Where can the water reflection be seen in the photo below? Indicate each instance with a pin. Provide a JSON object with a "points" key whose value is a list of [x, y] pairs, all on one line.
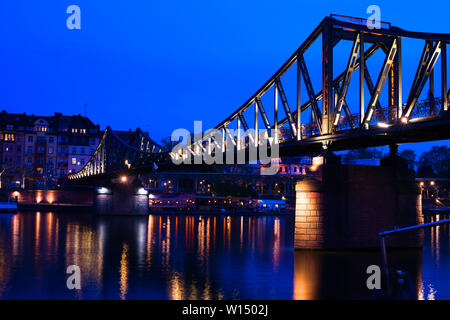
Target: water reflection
{"points": [[436, 261], [154, 257], [124, 272], [194, 257], [342, 275]]}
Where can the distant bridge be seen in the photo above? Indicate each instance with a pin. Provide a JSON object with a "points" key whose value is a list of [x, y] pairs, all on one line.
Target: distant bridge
{"points": [[116, 153], [325, 120]]}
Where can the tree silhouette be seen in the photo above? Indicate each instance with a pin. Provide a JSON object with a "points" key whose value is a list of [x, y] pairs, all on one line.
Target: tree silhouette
{"points": [[409, 155], [435, 162]]}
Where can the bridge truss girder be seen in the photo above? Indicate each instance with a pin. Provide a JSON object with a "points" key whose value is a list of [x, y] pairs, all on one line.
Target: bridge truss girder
{"points": [[328, 116]]}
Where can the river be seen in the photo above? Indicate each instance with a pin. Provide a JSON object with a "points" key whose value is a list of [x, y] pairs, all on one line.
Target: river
{"points": [[196, 257]]}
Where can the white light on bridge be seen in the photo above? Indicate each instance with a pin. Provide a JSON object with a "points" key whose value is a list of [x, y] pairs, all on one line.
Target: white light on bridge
{"points": [[383, 125], [142, 191], [317, 161], [103, 190], [404, 120]]}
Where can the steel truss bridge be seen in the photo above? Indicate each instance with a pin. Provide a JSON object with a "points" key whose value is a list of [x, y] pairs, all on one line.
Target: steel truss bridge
{"points": [[119, 152], [324, 120]]}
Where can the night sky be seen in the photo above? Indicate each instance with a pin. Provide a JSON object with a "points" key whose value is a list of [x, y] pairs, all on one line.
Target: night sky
{"points": [[160, 65]]}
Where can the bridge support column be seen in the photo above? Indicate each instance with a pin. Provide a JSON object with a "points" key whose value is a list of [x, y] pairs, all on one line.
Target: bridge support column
{"points": [[103, 201], [346, 206], [121, 199]]}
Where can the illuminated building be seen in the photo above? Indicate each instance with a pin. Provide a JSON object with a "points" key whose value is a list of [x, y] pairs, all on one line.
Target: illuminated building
{"points": [[38, 150]]}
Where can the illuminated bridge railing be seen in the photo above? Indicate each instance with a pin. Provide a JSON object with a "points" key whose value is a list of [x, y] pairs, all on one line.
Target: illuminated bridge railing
{"points": [[424, 108], [381, 117], [427, 108]]}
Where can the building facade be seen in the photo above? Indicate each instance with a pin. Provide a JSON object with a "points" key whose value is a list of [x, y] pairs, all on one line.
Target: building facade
{"points": [[38, 151]]}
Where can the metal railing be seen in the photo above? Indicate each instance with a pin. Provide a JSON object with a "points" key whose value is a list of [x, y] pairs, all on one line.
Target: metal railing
{"points": [[382, 236], [423, 108]]}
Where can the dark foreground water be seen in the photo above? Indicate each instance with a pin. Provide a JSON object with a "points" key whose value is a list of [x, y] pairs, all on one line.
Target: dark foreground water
{"points": [[195, 257]]}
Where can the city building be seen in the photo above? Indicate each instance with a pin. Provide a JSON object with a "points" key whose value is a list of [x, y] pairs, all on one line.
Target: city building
{"points": [[37, 151], [294, 165]]}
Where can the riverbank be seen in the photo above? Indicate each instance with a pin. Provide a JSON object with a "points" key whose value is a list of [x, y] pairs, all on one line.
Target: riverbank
{"points": [[8, 207], [59, 207]]}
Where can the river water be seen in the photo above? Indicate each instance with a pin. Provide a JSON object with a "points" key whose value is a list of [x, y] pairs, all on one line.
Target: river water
{"points": [[196, 257]]}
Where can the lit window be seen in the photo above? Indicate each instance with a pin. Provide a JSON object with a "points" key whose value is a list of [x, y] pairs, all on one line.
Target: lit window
{"points": [[9, 137], [40, 129], [74, 160]]}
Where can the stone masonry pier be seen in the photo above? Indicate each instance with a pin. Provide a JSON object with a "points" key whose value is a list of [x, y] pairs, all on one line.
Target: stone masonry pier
{"points": [[346, 206]]}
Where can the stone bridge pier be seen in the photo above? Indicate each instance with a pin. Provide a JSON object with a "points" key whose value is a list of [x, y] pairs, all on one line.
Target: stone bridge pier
{"points": [[346, 206], [121, 196]]}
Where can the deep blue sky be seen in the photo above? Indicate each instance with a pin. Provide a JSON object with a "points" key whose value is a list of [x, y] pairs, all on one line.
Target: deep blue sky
{"points": [[160, 65]]}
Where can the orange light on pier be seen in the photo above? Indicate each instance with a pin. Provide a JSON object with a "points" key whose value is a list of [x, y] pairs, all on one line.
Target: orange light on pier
{"points": [[50, 198]]}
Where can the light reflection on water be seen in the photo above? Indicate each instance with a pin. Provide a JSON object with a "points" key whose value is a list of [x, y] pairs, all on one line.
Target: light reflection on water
{"points": [[194, 257], [151, 257], [436, 262]]}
